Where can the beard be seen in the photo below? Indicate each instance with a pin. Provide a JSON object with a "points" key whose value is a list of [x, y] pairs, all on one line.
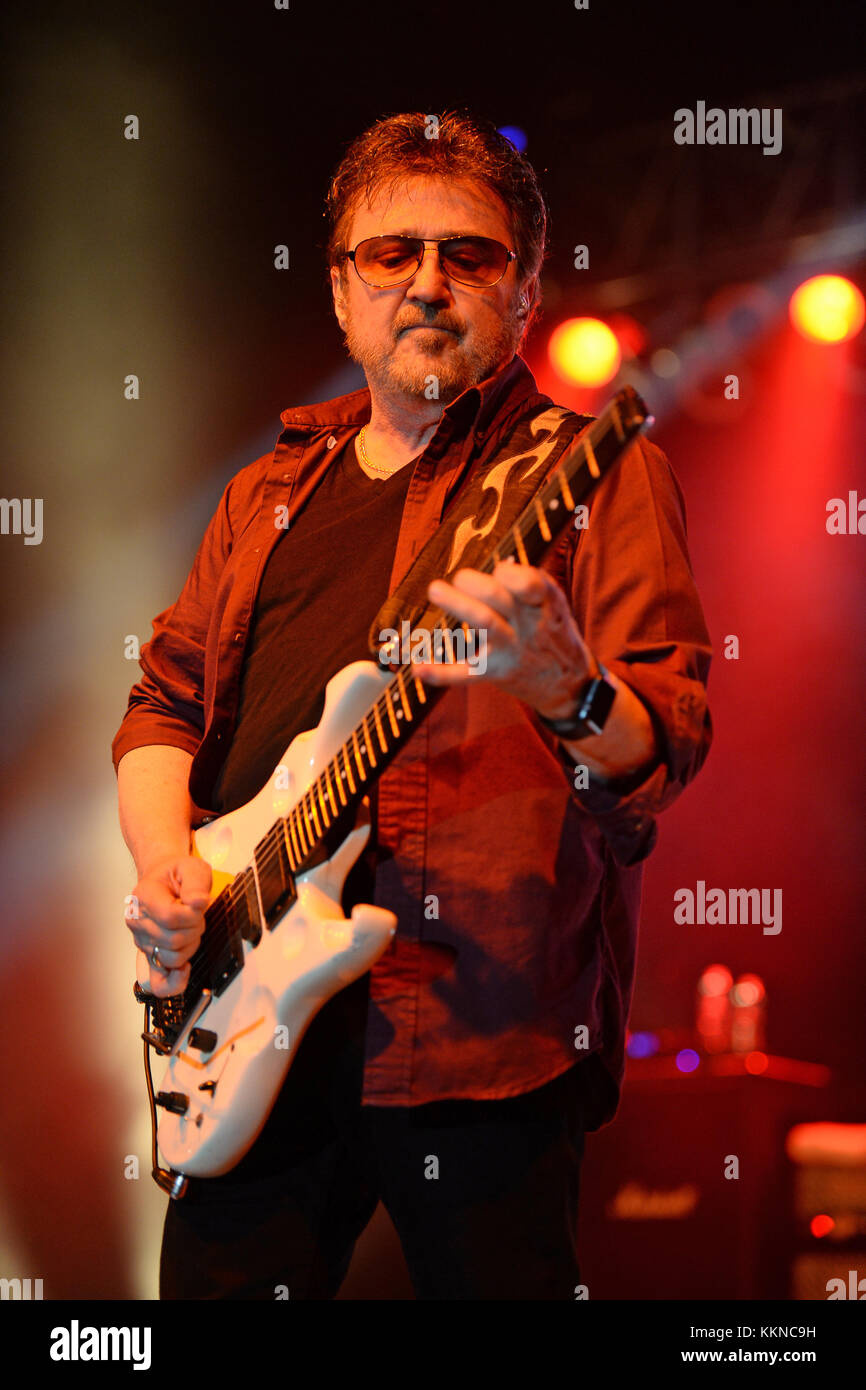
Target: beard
{"points": [[456, 359]]}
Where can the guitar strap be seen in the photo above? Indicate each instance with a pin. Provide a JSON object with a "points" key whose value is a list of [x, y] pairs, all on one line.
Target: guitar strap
{"points": [[480, 515]]}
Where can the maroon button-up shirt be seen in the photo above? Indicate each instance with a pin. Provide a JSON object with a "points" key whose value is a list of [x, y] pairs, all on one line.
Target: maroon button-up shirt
{"points": [[517, 896]]}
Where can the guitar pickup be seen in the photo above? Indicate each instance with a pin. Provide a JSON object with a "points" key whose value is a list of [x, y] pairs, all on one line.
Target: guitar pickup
{"points": [[276, 883]]}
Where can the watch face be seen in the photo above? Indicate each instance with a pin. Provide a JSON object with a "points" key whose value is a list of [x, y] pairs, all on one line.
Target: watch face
{"points": [[597, 705]]}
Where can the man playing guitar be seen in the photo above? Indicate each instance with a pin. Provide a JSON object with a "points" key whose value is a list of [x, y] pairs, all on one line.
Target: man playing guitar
{"points": [[455, 1080]]}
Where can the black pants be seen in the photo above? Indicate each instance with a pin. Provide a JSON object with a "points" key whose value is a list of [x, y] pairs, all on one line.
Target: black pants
{"points": [[483, 1194]]}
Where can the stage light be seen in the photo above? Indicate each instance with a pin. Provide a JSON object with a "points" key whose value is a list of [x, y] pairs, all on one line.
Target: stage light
{"points": [[642, 1045], [665, 363], [715, 981], [748, 990], [584, 352], [827, 309], [515, 135], [688, 1060], [756, 1063], [821, 1225]]}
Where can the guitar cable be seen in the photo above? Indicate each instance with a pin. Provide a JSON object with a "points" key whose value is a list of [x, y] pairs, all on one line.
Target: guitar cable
{"points": [[175, 1184]]}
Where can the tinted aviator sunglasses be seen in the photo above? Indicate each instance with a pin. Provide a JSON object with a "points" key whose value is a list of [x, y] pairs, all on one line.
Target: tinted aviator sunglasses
{"points": [[381, 261]]}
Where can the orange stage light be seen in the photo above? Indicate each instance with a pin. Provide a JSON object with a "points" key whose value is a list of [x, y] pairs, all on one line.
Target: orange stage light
{"points": [[827, 309], [584, 352]]}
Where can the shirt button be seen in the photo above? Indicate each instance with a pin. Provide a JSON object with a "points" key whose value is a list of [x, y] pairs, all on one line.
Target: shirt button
{"points": [[286, 477], [330, 441], [238, 637]]}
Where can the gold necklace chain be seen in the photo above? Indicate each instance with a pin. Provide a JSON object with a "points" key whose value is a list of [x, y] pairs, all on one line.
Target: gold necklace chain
{"points": [[374, 468]]}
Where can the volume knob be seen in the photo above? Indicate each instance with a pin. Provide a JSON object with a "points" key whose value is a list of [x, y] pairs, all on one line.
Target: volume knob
{"points": [[174, 1101]]}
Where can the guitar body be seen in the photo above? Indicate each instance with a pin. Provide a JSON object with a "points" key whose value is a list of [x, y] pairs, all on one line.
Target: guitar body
{"points": [[312, 952]]}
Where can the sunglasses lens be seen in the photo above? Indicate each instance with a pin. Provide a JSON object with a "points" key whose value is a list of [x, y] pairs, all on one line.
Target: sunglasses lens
{"points": [[474, 260], [386, 260], [470, 260]]}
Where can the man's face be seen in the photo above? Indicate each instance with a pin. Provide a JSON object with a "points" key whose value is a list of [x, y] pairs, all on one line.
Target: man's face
{"points": [[430, 325]]}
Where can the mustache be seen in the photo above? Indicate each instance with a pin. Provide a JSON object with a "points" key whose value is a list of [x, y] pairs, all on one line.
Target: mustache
{"points": [[442, 321]]}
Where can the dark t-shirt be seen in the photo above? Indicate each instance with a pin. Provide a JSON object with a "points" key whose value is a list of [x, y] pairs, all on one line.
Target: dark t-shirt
{"points": [[325, 581]]}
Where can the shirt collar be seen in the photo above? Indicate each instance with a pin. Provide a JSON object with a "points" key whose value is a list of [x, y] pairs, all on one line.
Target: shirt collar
{"points": [[475, 408]]}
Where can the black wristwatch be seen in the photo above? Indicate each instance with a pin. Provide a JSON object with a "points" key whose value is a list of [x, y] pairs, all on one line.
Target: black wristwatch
{"points": [[594, 704]]}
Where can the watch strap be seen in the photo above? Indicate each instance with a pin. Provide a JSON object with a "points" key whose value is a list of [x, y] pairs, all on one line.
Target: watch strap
{"points": [[594, 704]]}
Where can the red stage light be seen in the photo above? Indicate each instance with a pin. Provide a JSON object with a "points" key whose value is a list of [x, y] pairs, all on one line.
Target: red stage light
{"points": [[827, 309], [584, 352], [756, 1062], [821, 1225], [748, 990], [715, 981]]}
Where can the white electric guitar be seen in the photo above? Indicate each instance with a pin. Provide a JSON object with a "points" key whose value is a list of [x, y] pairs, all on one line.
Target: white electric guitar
{"points": [[276, 945]]}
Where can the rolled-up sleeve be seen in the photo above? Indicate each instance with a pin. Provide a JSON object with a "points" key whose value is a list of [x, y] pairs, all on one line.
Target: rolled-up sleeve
{"points": [[166, 706], [635, 600]]}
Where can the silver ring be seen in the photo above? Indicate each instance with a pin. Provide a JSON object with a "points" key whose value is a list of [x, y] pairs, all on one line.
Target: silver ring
{"points": [[155, 961]]}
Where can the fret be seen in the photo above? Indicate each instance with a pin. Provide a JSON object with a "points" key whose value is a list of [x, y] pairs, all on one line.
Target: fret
{"points": [[542, 521], [362, 775], [339, 780], [420, 690], [314, 814], [293, 835], [392, 718], [330, 791], [293, 863], [404, 699], [379, 730], [566, 491], [304, 828], [318, 790], [371, 756], [519, 546], [347, 762], [591, 460]]}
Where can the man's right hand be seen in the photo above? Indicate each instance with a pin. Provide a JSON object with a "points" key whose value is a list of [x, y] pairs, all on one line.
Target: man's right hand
{"points": [[166, 911]]}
